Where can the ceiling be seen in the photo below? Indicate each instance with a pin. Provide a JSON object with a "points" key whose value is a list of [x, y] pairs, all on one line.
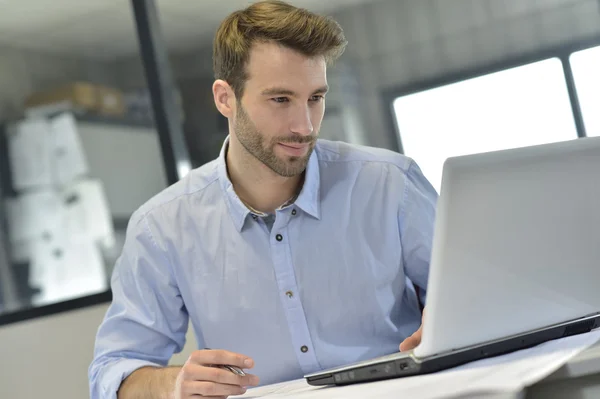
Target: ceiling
{"points": [[105, 29]]}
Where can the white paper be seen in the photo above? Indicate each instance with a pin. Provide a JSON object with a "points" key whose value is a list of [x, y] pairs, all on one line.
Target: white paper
{"points": [[69, 160], [84, 271], [33, 214], [30, 151], [88, 212], [65, 269], [507, 373], [46, 261]]}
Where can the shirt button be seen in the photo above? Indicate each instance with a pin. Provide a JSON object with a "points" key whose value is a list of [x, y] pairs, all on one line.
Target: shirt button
{"points": [[304, 348], [290, 294], [279, 237], [254, 217], [293, 212]]}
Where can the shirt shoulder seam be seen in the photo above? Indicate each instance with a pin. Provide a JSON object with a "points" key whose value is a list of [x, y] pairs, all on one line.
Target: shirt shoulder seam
{"points": [[380, 161], [166, 202]]}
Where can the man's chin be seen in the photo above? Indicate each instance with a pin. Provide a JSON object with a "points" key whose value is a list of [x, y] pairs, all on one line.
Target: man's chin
{"points": [[290, 169]]}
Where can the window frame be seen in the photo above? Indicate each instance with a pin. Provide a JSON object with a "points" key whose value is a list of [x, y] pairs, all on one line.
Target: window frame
{"points": [[561, 52], [569, 57]]}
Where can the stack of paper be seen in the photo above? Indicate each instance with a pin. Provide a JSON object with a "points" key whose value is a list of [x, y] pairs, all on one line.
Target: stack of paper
{"points": [[69, 161], [88, 213], [509, 373], [60, 219], [30, 151]]}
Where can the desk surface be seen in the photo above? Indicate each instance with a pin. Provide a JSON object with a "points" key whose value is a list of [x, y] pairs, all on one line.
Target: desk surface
{"points": [[579, 378]]}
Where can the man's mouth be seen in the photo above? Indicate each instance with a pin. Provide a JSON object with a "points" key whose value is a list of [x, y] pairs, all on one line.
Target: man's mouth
{"points": [[295, 149], [295, 145]]}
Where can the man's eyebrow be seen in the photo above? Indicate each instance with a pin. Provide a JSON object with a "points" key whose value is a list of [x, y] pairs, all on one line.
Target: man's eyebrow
{"points": [[280, 91], [322, 90]]}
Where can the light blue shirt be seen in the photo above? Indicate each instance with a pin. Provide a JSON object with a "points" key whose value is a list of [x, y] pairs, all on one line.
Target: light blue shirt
{"points": [[331, 283]]}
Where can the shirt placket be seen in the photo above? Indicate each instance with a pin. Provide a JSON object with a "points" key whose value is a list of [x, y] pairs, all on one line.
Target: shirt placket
{"points": [[288, 293]]}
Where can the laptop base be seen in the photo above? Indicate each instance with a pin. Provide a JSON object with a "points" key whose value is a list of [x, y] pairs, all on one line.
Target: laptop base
{"points": [[405, 365]]}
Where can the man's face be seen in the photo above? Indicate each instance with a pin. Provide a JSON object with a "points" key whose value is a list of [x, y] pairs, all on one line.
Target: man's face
{"points": [[277, 120]]}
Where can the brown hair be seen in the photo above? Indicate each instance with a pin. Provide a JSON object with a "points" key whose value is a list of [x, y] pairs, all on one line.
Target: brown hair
{"points": [[277, 21]]}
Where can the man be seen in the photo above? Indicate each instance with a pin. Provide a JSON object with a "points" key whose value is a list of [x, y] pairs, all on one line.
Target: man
{"points": [[287, 254]]}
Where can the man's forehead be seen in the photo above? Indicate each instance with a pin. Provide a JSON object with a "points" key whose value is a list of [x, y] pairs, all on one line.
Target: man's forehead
{"points": [[272, 56], [272, 67]]}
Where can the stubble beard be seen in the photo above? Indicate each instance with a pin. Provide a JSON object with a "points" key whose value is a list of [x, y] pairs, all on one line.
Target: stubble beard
{"points": [[254, 143]]}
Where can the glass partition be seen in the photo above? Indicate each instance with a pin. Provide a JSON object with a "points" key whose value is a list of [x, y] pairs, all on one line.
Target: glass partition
{"points": [[79, 151]]}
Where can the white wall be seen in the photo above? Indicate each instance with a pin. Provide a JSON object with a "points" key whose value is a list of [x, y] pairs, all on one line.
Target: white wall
{"points": [[49, 357]]}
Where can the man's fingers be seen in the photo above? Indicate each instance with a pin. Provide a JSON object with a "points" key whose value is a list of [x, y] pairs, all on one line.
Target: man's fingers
{"points": [[414, 340], [408, 344], [206, 388], [221, 357], [411, 342], [194, 372]]}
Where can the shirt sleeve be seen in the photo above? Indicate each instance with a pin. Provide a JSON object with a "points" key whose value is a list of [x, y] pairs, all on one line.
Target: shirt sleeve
{"points": [[146, 322], [416, 222]]}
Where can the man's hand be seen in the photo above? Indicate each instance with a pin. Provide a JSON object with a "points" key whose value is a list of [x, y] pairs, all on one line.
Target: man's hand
{"points": [[198, 378], [415, 339]]}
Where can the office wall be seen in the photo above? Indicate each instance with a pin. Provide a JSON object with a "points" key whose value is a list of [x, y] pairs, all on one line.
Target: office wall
{"points": [[398, 42], [23, 72], [49, 357]]}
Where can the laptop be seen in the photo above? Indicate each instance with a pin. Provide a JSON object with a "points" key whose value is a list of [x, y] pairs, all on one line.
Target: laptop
{"points": [[515, 259]]}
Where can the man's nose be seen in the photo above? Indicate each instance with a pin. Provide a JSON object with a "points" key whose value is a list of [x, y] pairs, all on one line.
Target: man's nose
{"points": [[301, 123]]}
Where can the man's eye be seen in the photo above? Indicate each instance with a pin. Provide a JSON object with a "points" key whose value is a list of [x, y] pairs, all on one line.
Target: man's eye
{"points": [[316, 98], [280, 99]]}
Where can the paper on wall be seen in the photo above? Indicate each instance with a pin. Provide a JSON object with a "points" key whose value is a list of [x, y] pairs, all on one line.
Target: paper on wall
{"points": [[30, 149], [34, 214], [69, 161], [88, 212], [65, 269]]}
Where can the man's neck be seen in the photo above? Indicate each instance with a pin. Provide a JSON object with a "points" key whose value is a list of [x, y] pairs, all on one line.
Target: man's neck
{"points": [[256, 184]]}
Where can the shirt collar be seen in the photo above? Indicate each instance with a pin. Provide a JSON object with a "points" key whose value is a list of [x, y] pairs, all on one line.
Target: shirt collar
{"points": [[307, 200]]}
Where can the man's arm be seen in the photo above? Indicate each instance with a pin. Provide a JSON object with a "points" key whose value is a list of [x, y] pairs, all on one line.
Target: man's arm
{"points": [[146, 322], [150, 383], [416, 222], [198, 377]]}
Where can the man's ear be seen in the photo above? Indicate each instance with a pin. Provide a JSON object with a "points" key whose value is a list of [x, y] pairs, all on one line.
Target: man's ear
{"points": [[224, 97]]}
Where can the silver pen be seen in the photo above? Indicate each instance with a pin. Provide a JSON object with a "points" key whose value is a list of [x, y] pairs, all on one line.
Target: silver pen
{"points": [[233, 369]]}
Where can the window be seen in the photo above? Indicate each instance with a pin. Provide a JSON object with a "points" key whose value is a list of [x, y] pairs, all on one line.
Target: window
{"points": [[586, 66], [522, 106]]}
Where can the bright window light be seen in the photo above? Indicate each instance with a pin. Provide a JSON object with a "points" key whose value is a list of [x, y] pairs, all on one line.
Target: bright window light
{"points": [[517, 107]]}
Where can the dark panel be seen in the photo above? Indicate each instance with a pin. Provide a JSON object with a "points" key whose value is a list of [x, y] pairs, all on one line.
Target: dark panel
{"points": [[159, 77], [48, 310]]}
